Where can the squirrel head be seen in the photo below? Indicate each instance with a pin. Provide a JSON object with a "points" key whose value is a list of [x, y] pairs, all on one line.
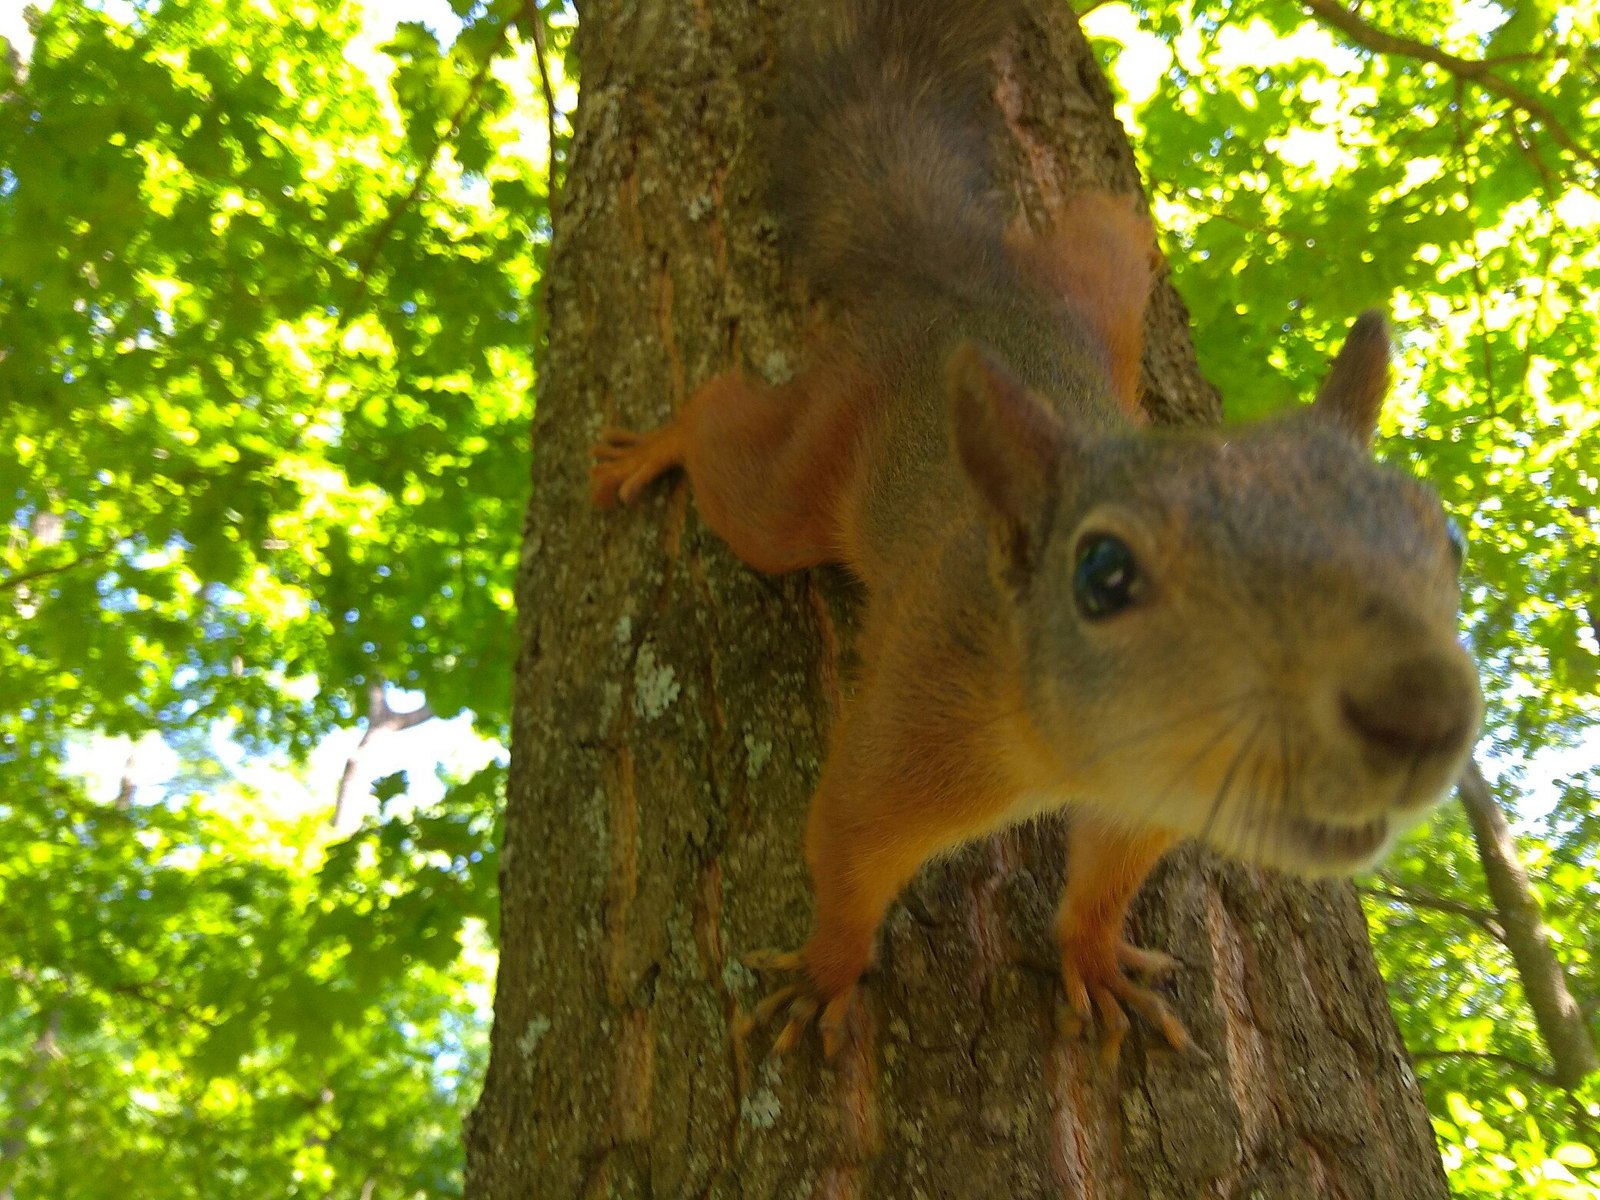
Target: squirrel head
{"points": [[1245, 635]]}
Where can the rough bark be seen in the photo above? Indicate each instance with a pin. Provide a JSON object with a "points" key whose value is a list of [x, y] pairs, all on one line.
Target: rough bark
{"points": [[671, 716], [1561, 1022]]}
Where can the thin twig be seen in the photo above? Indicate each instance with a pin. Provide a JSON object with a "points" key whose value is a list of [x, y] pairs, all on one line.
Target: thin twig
{"points": [[425, 172], [1527, 1068], [1480, 291], [541, 54], [1478, 71], [1482, 918], [21, 577]]}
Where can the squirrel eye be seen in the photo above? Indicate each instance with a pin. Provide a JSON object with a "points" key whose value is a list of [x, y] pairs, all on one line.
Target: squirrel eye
{"points": [[1106, 578], [1458, 540]]}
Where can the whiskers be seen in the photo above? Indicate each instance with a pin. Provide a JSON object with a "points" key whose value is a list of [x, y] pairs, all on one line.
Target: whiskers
{"points": [[1403, 798], [1259, 784], [1249, 775], [1220, 798], [1167, 725], [1231, 714], [1250, 826]]}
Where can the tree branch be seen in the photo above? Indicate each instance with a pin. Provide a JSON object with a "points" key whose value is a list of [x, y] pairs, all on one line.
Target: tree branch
{"points": [[1480, 917], [425, 172], [1533, 1070], [1561, 1025], [380, 719], [1478, 71], [541, 55], [11, 582], [1480, 290]]}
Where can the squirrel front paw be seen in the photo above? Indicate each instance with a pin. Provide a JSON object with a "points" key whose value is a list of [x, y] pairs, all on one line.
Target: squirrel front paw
{"points": [[625, 462], [1097, 976], [800, 1002]]}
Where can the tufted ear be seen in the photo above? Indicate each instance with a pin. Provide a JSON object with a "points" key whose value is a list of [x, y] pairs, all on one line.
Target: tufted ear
{"points": [[1011, 447], [1353, 393]]}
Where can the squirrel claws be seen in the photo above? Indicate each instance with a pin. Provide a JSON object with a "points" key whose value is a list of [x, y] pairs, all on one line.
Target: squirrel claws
{"points": [[800, 1004], [625, 462], [1152, 964], [775, 1000], [1099, 989], [775, 960]]}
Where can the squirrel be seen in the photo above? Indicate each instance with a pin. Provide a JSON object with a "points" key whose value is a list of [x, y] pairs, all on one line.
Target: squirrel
{"points": [[1241, 635]]}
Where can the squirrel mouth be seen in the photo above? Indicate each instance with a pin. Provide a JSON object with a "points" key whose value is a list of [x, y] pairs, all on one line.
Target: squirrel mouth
{"points": [[1338, 843]]}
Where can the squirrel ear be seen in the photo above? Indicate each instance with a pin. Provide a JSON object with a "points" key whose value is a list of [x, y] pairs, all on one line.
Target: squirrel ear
{"points": [[1358, 381], [1010, 446]]}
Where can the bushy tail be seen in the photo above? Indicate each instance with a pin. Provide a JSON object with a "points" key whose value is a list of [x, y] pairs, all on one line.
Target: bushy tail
{"points": [[883, 166]]}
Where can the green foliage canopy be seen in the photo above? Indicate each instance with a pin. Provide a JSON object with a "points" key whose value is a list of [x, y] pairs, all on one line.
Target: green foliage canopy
{"points": [[268, 309], [265, 349], [267, 314]]}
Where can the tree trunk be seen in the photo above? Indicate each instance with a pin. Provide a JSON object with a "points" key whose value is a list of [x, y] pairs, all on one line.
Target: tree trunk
{"points": [[671, 715]]}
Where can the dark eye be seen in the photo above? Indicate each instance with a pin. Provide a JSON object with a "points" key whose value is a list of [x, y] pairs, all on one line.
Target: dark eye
{"points": [[1106, 579], [1458, 540]]}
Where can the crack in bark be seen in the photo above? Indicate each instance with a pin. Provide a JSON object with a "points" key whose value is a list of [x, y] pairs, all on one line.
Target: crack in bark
{"points": [[984, 924], [1246, 1065], [634, 1077], [622, 871]]}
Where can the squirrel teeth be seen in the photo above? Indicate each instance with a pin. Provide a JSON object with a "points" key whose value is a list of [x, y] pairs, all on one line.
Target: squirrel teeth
{"points": [[1340, 843]]}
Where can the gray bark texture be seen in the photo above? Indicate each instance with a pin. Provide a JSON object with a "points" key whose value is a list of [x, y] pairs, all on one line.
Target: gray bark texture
{"points": [[671, 717]]}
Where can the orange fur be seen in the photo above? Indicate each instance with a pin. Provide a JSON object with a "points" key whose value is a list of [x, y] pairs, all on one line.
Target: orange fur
{"points": [[1105, 866], [771, 467]]}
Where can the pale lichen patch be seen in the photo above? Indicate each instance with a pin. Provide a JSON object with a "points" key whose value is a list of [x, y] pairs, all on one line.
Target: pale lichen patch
{"points": [[761, 1107], [757, 753], [737, 977], [776, 368], [656, 684], [532, 1034]]}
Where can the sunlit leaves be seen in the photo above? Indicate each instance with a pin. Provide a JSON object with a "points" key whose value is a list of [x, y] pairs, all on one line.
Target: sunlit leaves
{"points": [[263, 338], [266, 360], [188, 1008], [267, 334]]}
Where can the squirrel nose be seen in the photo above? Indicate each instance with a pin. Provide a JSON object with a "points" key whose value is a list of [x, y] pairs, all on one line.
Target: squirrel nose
{"points": [[1423, 707]]}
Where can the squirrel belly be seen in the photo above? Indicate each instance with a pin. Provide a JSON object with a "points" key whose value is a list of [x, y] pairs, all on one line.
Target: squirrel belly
{"points": [[1246, 636]]}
